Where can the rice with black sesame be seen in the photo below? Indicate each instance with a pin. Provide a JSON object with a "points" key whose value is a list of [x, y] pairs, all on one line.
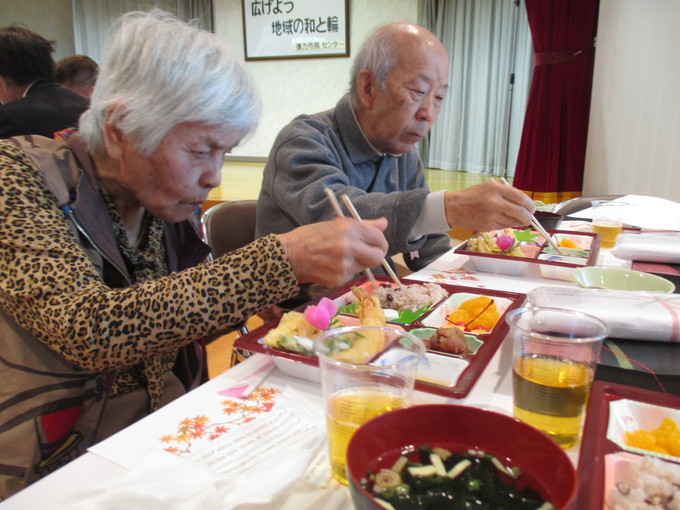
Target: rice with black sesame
{"points": [[409, 297], [651, 483]]}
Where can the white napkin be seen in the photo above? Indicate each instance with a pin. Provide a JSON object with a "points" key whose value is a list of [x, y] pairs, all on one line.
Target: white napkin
{"points": [[276, 475], [633, 315], [161, 480], [164, 481], [648, 247], [645, 212]]}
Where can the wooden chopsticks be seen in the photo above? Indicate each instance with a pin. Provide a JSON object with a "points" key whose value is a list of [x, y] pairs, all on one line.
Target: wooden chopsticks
{"points": [[539, 227], [350, 206], [356, 216], [338, 212], [547, 236]]}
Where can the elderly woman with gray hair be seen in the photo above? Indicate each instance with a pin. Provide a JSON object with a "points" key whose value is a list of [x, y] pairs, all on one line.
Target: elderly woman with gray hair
{"points": [[104, 285]]}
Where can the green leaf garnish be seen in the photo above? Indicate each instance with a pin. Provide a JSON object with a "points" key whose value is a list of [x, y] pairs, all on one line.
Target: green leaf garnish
{"points": [[403, 316], [525, 235], [408, 316], [348, 309]]}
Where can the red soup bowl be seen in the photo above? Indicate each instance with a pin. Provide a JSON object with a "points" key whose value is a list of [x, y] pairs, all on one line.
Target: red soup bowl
{"points": [[377, 444]]}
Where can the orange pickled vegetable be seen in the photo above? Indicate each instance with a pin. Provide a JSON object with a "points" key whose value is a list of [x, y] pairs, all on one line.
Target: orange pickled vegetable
{"points": [[566, 243], [485, 321], [663, 439], [477, 315]]}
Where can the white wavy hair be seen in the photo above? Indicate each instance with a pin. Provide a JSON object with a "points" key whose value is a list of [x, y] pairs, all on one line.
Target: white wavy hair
{"points": [[160, 72], [379, 53]]}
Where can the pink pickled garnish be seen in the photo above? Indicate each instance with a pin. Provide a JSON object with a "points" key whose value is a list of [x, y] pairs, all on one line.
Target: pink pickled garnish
{"points": [[320, 315], [505, 242]]}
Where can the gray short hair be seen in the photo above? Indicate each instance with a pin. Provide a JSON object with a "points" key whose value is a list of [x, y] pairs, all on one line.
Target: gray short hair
{"points": [[160, 72], [379, 53]]}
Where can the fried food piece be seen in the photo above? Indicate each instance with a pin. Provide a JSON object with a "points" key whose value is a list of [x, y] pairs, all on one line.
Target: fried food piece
{"points": [[478, 245], [485, 242], [370, 313], [450, 340], [367, 345], [291, 327]]}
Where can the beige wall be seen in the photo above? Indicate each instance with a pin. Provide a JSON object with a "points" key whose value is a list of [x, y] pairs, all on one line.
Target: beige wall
{"points": [[294, 86], [53, 19], [634, 133]]}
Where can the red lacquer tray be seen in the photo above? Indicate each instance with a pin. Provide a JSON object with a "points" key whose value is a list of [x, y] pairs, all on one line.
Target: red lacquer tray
{"points": [[475, 362], [549, 268], [595, 445]]}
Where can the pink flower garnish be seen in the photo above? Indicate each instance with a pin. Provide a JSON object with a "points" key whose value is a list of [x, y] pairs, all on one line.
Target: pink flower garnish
{"points": [[320, 315], [505, 242]]}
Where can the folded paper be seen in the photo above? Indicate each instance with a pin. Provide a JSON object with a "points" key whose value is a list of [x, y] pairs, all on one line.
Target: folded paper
{"points": [[648, 247], [632, 315]]}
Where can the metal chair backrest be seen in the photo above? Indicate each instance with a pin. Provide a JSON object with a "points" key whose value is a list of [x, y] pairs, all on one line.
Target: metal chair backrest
{"points": [[229, 225], [573, 205]]}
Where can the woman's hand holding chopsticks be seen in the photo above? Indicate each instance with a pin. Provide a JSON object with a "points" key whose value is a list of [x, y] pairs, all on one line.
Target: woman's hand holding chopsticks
{"points": [[355, 215], [332, 252], [338, 212]]}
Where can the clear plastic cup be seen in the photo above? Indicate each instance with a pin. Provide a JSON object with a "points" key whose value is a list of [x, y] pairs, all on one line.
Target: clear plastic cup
{"points": [[608, 220], [359, 383], [555, 355]]}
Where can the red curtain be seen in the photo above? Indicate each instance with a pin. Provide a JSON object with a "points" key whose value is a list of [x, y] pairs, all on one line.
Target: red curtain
{"points": [[553, 145]]}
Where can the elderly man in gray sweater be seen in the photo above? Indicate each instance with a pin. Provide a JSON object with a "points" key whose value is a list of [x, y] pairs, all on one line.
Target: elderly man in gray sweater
{"points": [[365, 148]]}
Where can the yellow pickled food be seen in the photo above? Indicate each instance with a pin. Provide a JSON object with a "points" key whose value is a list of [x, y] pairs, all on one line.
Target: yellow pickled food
{"points": [[664, 439], [477, 315], [567, 243]]}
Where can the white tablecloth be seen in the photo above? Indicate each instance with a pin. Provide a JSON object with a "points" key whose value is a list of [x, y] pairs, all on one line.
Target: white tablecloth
{"points": [[109, 462]]}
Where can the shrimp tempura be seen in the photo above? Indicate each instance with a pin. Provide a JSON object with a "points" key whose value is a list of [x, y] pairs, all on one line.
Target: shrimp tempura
{"points": [[370, 343], [370, 312]]}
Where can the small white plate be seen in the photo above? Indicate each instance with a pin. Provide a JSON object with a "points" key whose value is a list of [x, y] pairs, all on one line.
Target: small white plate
{"points": [[630, 415]]}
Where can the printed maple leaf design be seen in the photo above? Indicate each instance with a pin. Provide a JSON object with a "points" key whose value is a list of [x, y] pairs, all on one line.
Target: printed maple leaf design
{"points": [[240, 411], [453, 274]]}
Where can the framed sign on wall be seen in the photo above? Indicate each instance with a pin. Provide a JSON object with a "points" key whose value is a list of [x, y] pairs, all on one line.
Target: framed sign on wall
{"points": [[276, 29]]}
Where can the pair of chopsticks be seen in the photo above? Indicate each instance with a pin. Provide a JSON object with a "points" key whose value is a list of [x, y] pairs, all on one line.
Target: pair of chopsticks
{"points": [[539, 227], [350, 206]]}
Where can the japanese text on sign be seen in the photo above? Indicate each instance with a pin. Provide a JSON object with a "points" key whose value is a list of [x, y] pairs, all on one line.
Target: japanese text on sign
{"points": [[292, 28]]}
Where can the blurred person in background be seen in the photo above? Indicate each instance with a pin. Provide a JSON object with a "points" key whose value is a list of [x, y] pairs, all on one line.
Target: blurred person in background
{"points": [[77, 73], [33, 103]]}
